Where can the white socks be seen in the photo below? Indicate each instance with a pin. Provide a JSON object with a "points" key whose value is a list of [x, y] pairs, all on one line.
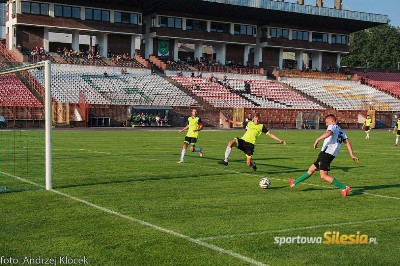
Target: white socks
{"points": [[183, 153], [227, 153]]}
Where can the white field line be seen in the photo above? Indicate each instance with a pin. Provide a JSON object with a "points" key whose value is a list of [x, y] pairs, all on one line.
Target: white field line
{"points": [[298, 229], [156, 227]]}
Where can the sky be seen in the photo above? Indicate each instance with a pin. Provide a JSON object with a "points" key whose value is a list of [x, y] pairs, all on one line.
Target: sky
{"points": [[383, 7]]}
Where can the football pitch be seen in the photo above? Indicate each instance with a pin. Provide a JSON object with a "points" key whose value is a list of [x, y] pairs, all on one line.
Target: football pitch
{"points": [[120, 198]]}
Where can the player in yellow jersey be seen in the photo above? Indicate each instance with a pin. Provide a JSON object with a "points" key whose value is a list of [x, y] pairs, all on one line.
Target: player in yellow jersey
{"points": [[193, 128], [367, 126], [396, 130], [248, 140]]}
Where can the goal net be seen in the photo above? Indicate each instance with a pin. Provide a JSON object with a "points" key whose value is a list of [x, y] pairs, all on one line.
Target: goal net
{"points": [[25, 131]]}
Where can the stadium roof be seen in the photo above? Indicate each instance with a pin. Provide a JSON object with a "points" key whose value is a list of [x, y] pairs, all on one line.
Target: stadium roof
{"points": [[253, 12]]}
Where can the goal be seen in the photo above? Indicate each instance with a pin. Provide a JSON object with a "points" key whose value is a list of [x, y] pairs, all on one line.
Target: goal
{"points": [[26, 131]]}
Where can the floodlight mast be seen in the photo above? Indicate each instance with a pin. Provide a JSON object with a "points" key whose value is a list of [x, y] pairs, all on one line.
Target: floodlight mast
{"points": [[48, 112]]}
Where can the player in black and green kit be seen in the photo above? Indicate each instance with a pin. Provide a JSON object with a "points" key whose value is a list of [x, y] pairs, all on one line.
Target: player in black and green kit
{"points": [[248, 140], [193, 128]]}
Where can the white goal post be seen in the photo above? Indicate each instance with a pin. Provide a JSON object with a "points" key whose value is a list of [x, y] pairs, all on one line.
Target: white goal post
{"points": [[48, 112]]}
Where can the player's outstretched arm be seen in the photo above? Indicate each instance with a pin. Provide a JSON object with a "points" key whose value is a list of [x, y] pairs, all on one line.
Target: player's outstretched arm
{"points": [[233, 122], [323, 136], [276, 138], [350, 149], [183, 129]]}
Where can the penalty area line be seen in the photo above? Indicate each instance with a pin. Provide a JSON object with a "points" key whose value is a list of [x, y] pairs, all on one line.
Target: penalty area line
{"points": [[150, 225]]}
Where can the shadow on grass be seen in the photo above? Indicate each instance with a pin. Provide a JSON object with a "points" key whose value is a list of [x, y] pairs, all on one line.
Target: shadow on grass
{"points": [[361, 190], [346, 168]]}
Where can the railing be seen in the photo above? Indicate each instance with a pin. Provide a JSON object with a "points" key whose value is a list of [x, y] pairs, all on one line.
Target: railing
{"points": [[161, 65], [307, 9], [141, 60]]}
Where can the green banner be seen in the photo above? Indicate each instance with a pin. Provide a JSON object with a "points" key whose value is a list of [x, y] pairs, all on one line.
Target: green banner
{"points": [[163, 47]]}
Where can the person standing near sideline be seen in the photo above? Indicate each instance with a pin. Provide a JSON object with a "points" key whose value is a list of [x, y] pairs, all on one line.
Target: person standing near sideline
{"points": [[193, 127], [367, 126], [396, 130]]}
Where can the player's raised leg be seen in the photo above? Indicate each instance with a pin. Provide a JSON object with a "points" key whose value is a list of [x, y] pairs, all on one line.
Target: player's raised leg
{"points": [[306, 175], [199, 150]]}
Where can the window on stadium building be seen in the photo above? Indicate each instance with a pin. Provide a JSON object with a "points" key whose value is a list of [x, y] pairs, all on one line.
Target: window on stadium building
{"points": [[279, 33], [196, 25], [170, 22], [319, 37], [67, 11], [35, 8], [243, 30], [97, 14], [127, 18], [219, 27], [300, 35], [339, 39]]}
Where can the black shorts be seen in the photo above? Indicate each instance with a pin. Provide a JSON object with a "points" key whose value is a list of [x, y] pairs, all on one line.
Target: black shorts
{"points": [[398, 132], [367, 128], [190, 140], [323, 161], [246, 147]]}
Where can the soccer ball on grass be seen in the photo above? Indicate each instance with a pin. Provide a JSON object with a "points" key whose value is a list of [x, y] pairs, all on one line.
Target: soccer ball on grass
{"points": [[264, 183]]}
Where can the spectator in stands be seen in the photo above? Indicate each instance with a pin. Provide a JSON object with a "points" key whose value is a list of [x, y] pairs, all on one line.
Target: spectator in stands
{"points": [[367, 126], [333, 139], [105, 74], [248, 140], [194, 127], [396, 130]]}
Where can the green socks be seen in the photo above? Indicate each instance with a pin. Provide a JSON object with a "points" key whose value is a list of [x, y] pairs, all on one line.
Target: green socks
{"points": [[301, 178], [338, 184], [306, 175]]}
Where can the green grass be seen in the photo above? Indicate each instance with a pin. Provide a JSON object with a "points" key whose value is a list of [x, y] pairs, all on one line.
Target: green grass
{"points": [[121, 190]]}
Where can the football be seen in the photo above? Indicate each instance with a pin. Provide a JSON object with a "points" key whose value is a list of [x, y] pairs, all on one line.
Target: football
{"points": [[264, 183]]}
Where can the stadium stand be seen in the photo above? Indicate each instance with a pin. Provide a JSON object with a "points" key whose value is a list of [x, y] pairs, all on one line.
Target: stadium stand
{"points": [[386, 82], [344, 95], [106, 85], [231, 92], [215, 94], [14, 93]]}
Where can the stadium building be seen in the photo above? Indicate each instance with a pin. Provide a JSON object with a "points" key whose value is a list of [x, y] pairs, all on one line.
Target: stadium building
{"points": [[232, 44]]}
